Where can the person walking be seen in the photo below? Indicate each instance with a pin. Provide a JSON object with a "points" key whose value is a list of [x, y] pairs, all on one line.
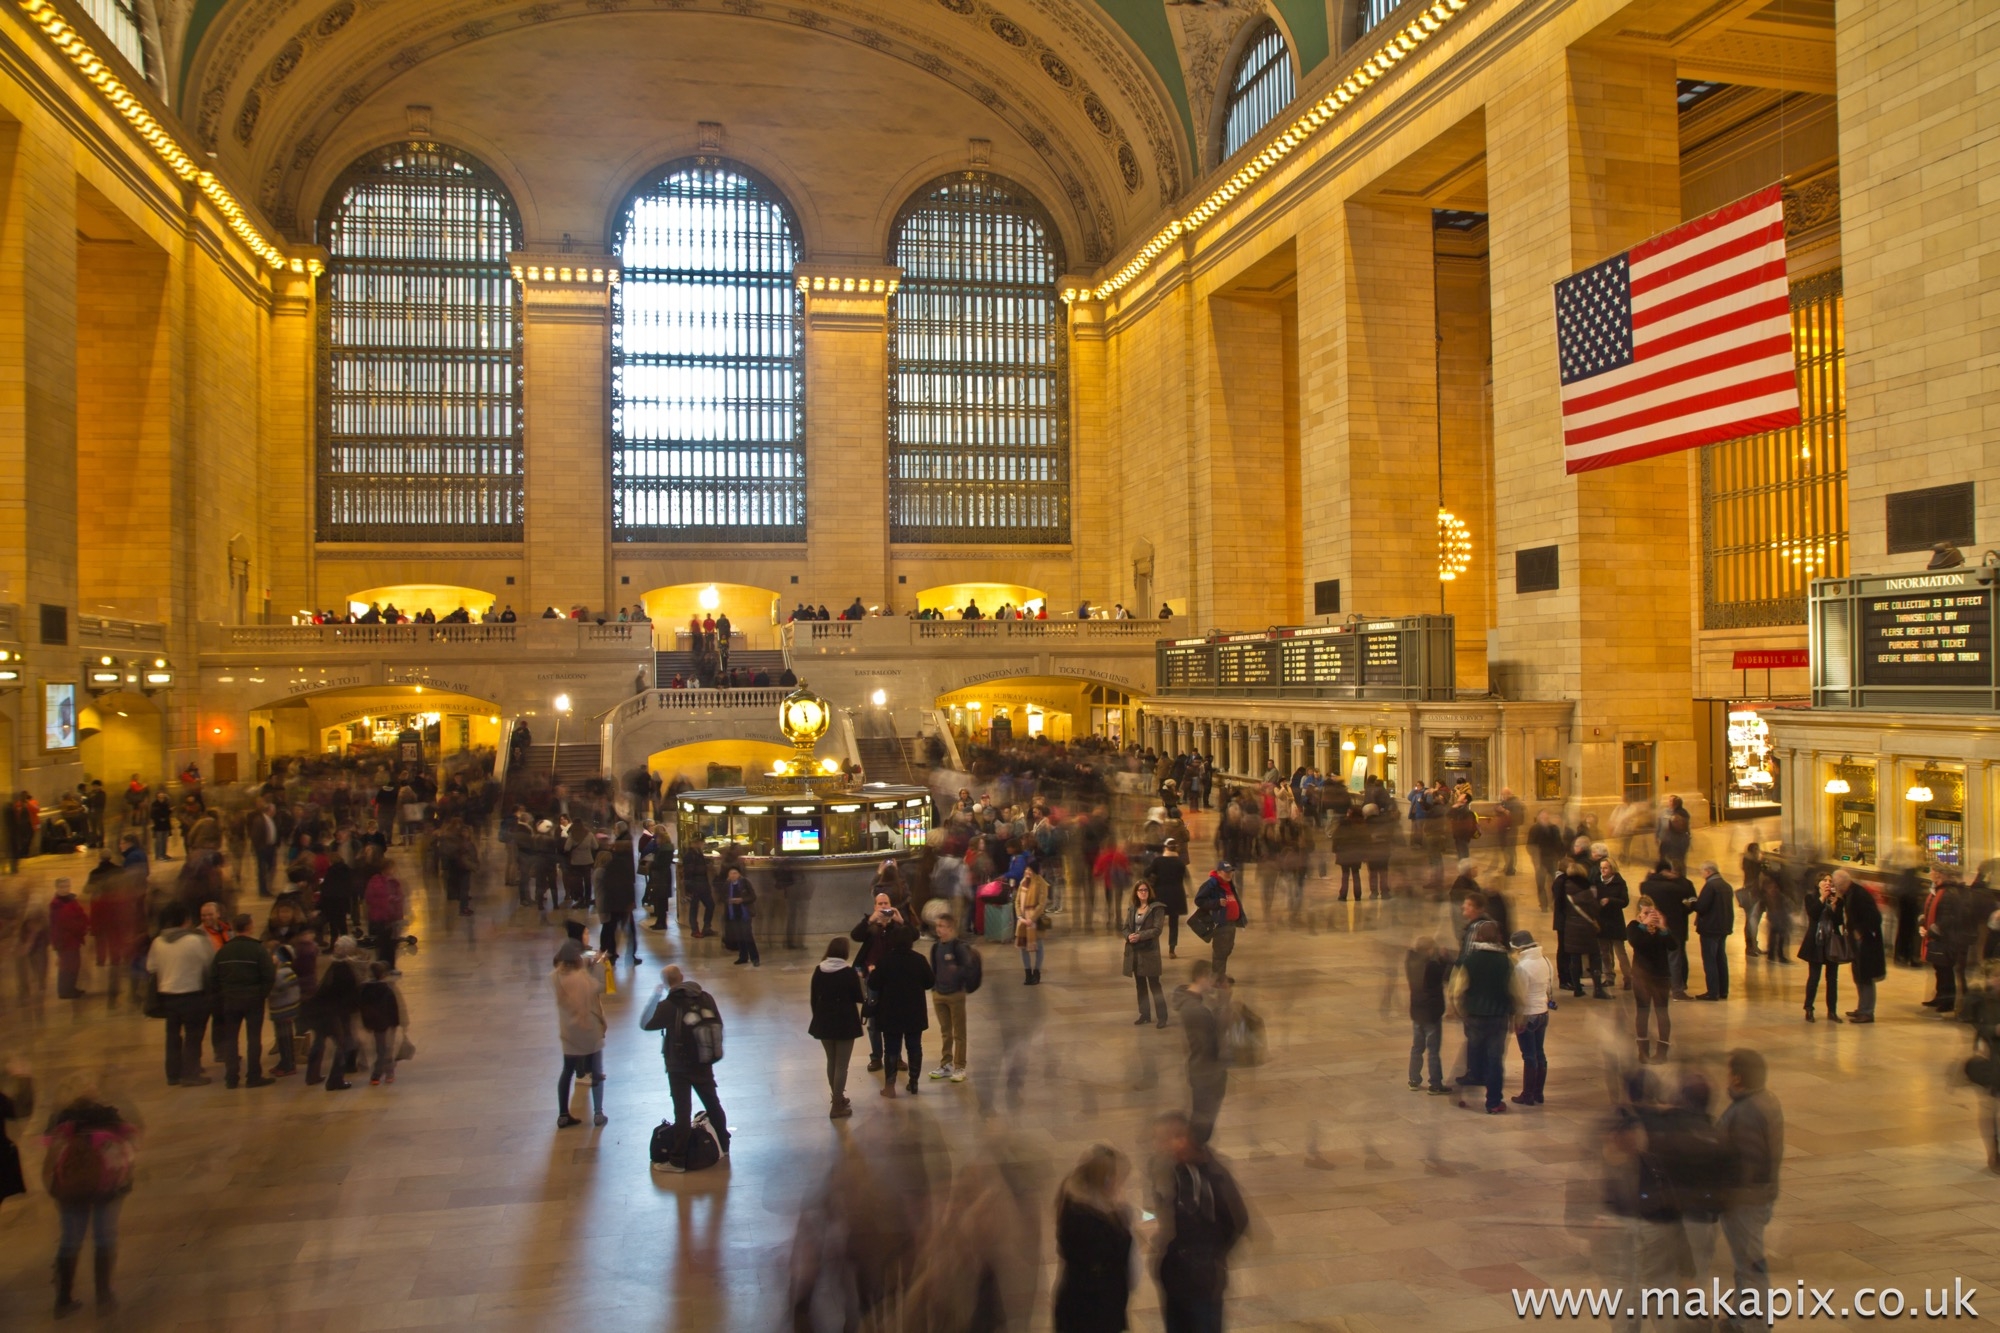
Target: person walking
{"points": [[1426, 968], [1094, 1245], [283, 1003], [179, 962], [739, 929], [1217, 899], [697, 895], [1942, 950], [1144, 921], [1534, 983], [618, 899], [1752, 1130], [242, 977], [690, 1027], [900, 982], [1825, 946], [1202, 1217], [1197, 1005], [1864, 930], [955, 974], [837, 997], [69, 927], [1714, 922], [1031, 900], [1652, 978], [331, 1013], [381, 1009], [386, 905], [1350, 849], [88, 1172], [579, 993]]}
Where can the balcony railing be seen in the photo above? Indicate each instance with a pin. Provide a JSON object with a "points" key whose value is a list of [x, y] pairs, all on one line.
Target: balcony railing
{"points": [[95, 630], [673, 703], [528, 635], [805, 635]]}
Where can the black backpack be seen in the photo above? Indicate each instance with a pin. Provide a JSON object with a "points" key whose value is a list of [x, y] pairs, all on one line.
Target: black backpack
{"points": [[695, 1148], [697, 1033]]}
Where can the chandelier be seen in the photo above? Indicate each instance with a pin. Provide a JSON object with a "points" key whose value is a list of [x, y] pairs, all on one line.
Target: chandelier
{"points": [[1454, 546]]}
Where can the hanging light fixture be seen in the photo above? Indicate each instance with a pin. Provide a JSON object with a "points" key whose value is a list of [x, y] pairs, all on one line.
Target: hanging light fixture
{"points": [[1454, 546], [1918, 793], [1380, 748], [1837, 785]]}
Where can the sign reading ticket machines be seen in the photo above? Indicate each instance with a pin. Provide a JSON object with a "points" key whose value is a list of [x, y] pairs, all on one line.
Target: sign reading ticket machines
{"points": [[1914, 642]]}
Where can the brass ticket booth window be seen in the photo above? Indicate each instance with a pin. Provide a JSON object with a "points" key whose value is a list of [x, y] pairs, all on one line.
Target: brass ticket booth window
{"points": [[1851, 813], [1457, 759]]}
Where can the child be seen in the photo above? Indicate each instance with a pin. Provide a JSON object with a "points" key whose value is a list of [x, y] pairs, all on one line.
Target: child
{"points": [[284, 1006], [382, 1015]]}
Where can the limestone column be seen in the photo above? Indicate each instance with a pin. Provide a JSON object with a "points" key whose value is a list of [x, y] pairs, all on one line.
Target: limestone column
{"points": [[566, 536], [38, 424], [1366, 283], [1298, 748], [1100, 567], [289, 450], [1583, 161], [847, 433]]}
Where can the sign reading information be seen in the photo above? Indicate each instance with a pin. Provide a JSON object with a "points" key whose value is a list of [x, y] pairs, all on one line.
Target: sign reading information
{"points": [[1905, 641], [1928, 638]]}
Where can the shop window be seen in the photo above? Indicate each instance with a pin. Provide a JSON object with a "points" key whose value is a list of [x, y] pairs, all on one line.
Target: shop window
{"points": [[1752, 766], [1851, 813], [1458, 759], [1937, 800], [1638, 772], [1774, 506]]}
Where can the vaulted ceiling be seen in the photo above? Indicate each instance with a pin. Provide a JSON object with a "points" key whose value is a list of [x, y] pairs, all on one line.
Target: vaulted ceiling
{"points": [[1096, 91]]}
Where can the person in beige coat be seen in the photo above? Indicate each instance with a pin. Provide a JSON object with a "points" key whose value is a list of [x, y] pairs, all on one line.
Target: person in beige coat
{"points": [[1031, 900]]}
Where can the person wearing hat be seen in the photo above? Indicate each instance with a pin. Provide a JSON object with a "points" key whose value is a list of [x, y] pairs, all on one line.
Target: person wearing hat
{"points": [[1536, 980], [69, 926], [1169, 877], [1218, 897]]}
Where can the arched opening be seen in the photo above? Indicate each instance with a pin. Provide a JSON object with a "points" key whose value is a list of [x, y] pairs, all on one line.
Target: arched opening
{"points": [[440, 599], [119, 734], [752, 613], [375, 721], [710, 764], [953, 598], [1055, 708]]}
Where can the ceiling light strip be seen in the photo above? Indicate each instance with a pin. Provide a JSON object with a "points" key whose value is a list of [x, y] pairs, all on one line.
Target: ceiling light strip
{"points": [[1399, 46], [109, 86]]}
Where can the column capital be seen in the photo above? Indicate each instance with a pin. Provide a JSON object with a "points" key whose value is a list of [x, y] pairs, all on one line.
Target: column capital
{"points": [[847, 297], [570, 287]]}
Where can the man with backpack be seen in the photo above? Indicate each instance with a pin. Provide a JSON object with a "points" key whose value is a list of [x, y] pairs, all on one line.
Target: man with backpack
{"points": [[690, 1028], [957, 972]]}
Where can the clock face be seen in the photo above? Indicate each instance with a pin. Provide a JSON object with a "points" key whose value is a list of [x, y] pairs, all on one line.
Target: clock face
{"points": [[805, 718]]}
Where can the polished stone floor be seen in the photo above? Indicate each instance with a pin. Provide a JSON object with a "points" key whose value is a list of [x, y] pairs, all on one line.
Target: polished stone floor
{"points": [[450, 1200]]}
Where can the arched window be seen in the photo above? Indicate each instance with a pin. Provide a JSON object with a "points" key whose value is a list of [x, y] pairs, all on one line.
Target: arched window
{"points": [[1261, 89], [421, 353], [978, 385], [1369, 13], [707, 365], [119, 20]]}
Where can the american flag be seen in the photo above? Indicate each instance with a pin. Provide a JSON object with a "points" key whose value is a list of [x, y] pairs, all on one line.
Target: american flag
{"points": [[1681, 341]]}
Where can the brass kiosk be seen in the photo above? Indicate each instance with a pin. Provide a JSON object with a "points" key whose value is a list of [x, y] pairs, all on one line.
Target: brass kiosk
{"points": [[806, 815]]}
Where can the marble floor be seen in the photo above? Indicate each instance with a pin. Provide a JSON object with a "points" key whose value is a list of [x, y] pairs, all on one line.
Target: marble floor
{"points": [[451, 1201]]}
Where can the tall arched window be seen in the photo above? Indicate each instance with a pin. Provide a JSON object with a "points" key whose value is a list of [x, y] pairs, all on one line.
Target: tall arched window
{"points": [[707, 366], [1369, 13], [421, 352], [119, 20], [978, 389], [1261, 89]]}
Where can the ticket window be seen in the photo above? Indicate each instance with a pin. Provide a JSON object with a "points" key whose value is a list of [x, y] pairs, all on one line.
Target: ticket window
{"points": [[1940, 820], [1457, 760], [1850, 800]]}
